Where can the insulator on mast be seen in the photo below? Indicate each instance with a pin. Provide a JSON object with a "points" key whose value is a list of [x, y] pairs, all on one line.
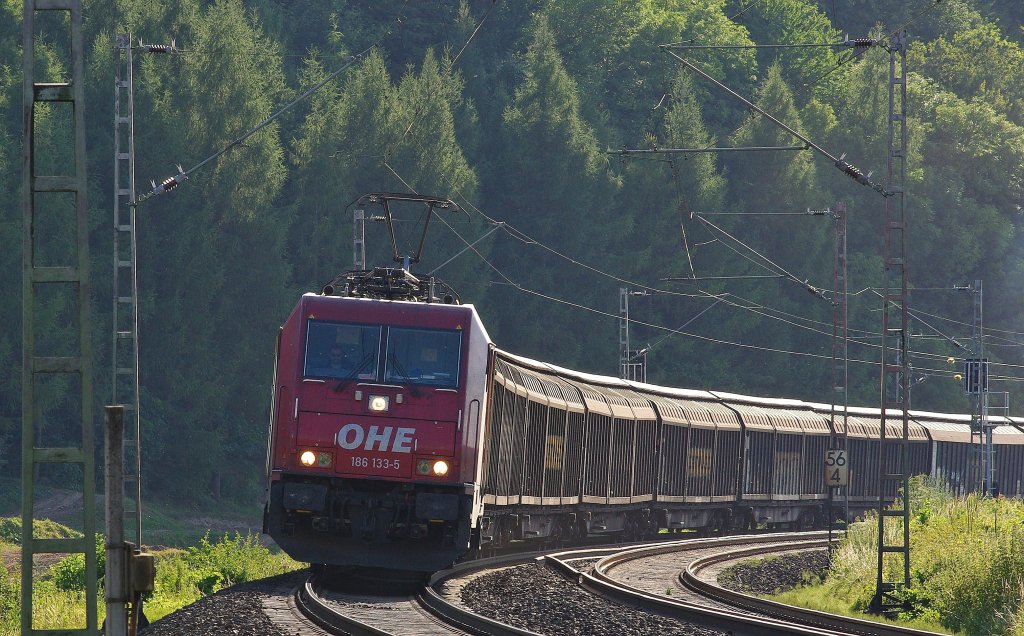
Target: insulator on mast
{"points": [[859, 43], [853, 171], [158, 48], [169, 183]]}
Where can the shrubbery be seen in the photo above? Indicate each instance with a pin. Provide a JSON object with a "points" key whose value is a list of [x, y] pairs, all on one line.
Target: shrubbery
{"points": [[182, 577], [68, 574], [10, 601], [967, 563], [10, 530]]}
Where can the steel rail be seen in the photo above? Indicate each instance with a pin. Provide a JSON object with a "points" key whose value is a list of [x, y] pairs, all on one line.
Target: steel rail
{"points": [[434, 602], [753, 616], [315, 609], [737, 623], [844, 624]]}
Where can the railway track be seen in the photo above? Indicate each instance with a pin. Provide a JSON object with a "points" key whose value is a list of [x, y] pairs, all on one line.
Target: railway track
{"points": [[668, 581], [679, 580], [363, 615], [425, 613], [701, 577]]}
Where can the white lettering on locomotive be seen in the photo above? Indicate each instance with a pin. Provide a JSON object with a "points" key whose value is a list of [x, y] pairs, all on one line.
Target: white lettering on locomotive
{"points": [[353, 436], [381, 438]]}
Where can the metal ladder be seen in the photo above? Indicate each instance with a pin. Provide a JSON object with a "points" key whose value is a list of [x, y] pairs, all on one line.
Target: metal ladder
{"points": [[894, 472], [70, 269], [125, 313]]}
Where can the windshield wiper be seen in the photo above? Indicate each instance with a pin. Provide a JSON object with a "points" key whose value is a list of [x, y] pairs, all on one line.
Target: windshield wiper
{"points": [[356, 371], [402, 375]]}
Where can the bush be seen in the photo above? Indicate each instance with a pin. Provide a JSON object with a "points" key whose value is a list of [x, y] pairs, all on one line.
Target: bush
{"points": [[68, 574], [967, 562], [184, 576], [10, 530], [237, 559], [10, 601]]}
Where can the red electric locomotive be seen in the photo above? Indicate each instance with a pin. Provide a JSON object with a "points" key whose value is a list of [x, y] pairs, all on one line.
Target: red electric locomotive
{"points": [[374, 444]]}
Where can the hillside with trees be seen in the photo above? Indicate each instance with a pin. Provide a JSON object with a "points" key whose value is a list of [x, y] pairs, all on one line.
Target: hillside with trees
{"points": [[511, 109]]}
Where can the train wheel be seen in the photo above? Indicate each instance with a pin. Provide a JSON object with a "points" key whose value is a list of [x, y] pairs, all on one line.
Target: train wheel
{"points": [[558, 532], [474, 546], [581, 531], [631, 532], [509, 531], [500, 534], [716, 524], [651, 527]]}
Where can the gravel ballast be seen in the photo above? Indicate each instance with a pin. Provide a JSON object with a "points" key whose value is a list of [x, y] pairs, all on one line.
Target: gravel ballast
{"points": [[531, 596], [776, 574], [235, 611], [534, 597]]}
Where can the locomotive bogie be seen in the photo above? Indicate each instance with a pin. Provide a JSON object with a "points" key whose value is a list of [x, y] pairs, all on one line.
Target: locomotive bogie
{"points": [[343, 523]]}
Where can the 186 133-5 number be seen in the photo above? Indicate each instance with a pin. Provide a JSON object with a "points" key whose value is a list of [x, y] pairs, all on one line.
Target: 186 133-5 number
{"points": [[376, 462]]}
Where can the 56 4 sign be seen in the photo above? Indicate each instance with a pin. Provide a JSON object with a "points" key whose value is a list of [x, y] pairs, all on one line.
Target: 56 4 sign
{"points": [[837, 470]]}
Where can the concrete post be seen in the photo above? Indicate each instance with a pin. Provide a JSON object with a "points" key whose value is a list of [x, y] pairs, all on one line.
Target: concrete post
{"points": [[115, 587]]}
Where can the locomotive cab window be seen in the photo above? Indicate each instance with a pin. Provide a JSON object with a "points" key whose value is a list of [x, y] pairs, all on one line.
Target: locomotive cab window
{"points": [[339, 350], [423, 356]]}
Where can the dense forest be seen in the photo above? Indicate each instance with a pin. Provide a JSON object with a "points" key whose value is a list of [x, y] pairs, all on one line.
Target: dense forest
{"points": [[511, 109]]}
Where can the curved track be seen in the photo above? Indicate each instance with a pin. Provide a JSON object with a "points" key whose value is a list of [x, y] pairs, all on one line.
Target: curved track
{"points": [[674, 579], [668, 579], [366, 615], [701, 575]]}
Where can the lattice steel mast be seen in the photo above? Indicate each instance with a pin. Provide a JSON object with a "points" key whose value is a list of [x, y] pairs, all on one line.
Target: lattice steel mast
{"points": [[893, 448], [632, 362], [64, 275], [125, 313], [840, 350]]}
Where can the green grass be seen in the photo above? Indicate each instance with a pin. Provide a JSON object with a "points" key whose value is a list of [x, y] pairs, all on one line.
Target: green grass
{"points": [[966, 562], [10, 530], [200, 550], [183, 576], [824, 599]]}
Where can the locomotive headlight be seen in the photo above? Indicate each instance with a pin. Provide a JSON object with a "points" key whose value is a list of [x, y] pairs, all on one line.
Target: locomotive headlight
{"points": [[318, 459], [437, 468], [378, 403]]}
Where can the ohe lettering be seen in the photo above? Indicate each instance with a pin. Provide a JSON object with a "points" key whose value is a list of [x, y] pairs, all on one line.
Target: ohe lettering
{"points": [[353, 436]]}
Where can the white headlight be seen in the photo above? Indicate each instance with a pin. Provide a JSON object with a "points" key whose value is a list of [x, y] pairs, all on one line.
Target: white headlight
{"points": [[440, 468], [378, 403], [308, 458]]}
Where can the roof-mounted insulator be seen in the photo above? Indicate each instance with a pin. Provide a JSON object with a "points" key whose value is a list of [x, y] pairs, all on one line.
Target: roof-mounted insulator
{"points": [[159, 48], [169, 183]]}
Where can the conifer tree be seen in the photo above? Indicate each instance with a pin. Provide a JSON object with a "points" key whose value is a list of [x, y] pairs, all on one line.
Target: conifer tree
{"points": [[557, 182]]}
